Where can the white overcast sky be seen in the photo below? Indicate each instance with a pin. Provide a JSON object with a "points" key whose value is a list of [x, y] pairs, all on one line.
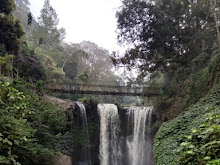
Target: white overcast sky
{"points": [[89, 20]]}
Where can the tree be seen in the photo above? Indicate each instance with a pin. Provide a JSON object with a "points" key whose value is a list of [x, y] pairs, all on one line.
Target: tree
{"points": [[48, 20], [30, 18], [22, 12], [215, 8], [67, 57], [28, 65], [96, 64], [165, 34], [7, 6], [11, 30], [6, 64]]}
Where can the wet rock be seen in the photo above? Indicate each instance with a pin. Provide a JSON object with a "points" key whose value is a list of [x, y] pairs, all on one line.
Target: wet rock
{"points": [[62, 160]]}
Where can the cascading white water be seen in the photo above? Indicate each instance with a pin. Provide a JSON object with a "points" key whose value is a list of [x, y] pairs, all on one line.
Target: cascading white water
{"points": [[139, 143], [109, 149], [86, 151]]}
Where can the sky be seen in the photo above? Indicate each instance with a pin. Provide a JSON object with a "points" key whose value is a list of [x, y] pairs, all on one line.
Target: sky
{"points": [[86, 20]]}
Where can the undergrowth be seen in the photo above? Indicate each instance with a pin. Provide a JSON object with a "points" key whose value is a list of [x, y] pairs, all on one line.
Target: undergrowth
{"points": [[172, 133], [28, 125]]}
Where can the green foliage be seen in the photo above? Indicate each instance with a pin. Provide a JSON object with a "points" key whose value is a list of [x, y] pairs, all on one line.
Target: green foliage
{"points": [[191, 88], [197, 85], [10, 29], [90, 100], [166, 34], [28, 126], [7, 6], [48, 20], [6, 64], [14, 128], [202, 146], [171, 134], [49, 66], [28, 65], [83, 77]]}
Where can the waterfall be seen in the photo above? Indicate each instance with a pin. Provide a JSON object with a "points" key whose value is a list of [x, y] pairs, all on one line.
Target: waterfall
{"points": [[109, 149], [139, 143], [133, 141], [85, 160]]}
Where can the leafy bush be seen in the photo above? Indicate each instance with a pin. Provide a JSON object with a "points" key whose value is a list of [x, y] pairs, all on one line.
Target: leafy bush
{"points": [[89, 99], [202, 146], [28, 65], [28, 126], [6, 64], [14, 128], [171, 133]]}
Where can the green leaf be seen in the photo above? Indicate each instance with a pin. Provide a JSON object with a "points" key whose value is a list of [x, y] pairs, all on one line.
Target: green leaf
{"points": [[191, 146], [189, 137], [207, 158], [18, 163], [189, 152], [9, 142], [184, 143], [5, 140], [25, 138]]}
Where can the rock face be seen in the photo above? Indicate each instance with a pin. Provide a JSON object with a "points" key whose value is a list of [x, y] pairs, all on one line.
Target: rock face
{"points": [[62, 160], [72, 140], [68, 106], [63, 104]]}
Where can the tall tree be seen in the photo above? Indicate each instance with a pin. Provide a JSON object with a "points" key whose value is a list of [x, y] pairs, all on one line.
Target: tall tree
{"points": [[165, 34], [22, 12], [7, 6], [215, 8], [10, 29], [48, 20], [97, 64]]}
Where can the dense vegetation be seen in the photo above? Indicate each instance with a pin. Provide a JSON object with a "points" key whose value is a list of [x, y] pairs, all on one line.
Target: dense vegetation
{"points": [[166, 35], [178, 43], [31, 129], [39, 51], [174, 43], [32, 52], [192, 137], [28, 126]]}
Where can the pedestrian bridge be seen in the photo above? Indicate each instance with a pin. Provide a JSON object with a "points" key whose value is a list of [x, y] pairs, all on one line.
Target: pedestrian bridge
{"points": [[102, 89]]}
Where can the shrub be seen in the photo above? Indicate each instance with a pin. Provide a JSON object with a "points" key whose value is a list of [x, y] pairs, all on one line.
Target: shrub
{"points": [[28, 126], [202, 146]]}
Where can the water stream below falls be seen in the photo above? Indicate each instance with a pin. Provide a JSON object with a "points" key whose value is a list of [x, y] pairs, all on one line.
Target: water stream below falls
{"points": [[131, 148]]}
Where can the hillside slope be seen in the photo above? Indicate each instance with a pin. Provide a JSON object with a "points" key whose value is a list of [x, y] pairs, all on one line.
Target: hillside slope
{"points": [[171, 134]]}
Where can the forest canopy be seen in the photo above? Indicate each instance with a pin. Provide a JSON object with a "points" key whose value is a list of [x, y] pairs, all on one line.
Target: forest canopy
{"points": [[166, 34]]}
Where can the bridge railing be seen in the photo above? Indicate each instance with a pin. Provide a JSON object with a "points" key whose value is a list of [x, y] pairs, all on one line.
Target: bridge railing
{"points": [[101, 89]]}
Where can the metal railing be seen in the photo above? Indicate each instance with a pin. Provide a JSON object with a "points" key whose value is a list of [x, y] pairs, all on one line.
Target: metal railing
{"points": [[102, 89]]}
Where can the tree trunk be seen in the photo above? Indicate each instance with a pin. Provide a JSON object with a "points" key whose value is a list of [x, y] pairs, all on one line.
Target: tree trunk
{"points": [[216, 22], [12, 67], [64, 64], [0, 68]]}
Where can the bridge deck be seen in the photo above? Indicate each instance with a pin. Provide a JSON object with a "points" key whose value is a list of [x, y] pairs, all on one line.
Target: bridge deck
{"points": [[102, 89]]}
